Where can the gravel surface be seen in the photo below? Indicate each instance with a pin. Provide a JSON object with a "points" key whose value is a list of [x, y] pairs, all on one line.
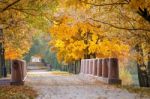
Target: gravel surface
{"points": [[51, 86]]}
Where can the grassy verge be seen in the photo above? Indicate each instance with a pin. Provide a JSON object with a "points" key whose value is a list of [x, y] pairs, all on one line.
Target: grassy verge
{"points": [[143, 91], [17, 92], [62, 73]]}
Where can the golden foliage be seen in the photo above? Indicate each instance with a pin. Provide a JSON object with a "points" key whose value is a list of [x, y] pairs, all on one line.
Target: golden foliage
{"points": [[77, 40], [17, 42]]}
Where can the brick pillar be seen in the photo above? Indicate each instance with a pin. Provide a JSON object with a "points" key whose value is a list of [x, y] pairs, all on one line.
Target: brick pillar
{"points": [[105, 67], [99, 67], [94, 67]]}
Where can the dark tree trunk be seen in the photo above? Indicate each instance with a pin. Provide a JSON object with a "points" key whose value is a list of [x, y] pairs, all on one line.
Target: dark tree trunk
{"points": [[75, 71], [142, 70], [148, 68], [79, 66], [142, 76]]}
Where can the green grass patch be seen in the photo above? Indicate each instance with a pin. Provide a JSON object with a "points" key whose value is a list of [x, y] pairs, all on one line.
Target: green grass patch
{"points": [[17, 92], [62, 73]]}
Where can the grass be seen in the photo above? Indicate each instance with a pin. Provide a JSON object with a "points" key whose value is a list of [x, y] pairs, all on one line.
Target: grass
{"points": [[17, 92], [143, 91], [62, 73]]}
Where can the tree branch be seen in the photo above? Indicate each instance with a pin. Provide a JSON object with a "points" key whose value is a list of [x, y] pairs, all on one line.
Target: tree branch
{"points": [[105, 4], [23, 11], [9, 5], [123, 28]]}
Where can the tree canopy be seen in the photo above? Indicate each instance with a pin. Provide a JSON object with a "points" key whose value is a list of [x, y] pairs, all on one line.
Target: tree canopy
{"points": [[80, 29], [22, 19]]}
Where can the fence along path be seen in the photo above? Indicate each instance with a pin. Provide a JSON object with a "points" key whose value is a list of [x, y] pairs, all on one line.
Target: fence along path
{"points": [[106, 69]]}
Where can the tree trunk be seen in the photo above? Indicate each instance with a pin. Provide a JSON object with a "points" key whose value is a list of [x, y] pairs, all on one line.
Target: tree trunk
{"points": [[75, 71], [142, 70], [148, 69]]}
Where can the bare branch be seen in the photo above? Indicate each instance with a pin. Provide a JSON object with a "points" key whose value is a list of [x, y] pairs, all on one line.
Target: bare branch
{"points": [[123, 28], [23, 11], [105, 4], [9, 5]]}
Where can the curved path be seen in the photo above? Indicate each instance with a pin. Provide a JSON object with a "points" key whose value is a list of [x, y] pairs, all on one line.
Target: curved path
{"points": [[52, 86]]}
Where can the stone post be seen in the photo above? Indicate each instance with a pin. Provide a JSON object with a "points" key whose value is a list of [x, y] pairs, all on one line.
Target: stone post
{"points": [[88, 70], [94, 67], [81, 67], [113, 68], [113, 71], [91, 66], [105, 67], [99, 67]]}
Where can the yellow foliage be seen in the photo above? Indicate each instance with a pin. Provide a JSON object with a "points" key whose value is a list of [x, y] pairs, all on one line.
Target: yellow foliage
{"points": [[17, 42], [74, 41]]}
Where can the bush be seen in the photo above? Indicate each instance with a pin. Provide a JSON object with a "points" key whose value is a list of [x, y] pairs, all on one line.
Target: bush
{"points": [[125, 76]]}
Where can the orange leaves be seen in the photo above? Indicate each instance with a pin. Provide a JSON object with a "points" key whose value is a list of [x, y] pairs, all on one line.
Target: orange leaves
{"points": [[74, 41], [17, 42], [13, 53], [112, 48], [17, 92], [71, 39], [140, 3]]}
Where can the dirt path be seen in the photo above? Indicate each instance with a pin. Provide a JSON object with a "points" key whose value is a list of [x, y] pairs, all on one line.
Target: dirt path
{"points": [[51, 86]]}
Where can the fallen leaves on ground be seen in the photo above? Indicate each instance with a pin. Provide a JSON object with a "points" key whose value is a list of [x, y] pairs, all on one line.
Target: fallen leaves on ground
{"points": [[143, 91], [17, 92]]}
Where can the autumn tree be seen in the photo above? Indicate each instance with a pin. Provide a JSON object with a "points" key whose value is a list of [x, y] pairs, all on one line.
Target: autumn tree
{"points": [[129, 22], [83, 40], [21, 20]]}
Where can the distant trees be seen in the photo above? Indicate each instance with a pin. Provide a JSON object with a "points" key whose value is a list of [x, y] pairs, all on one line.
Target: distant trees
{"points": [[40, 47]]}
